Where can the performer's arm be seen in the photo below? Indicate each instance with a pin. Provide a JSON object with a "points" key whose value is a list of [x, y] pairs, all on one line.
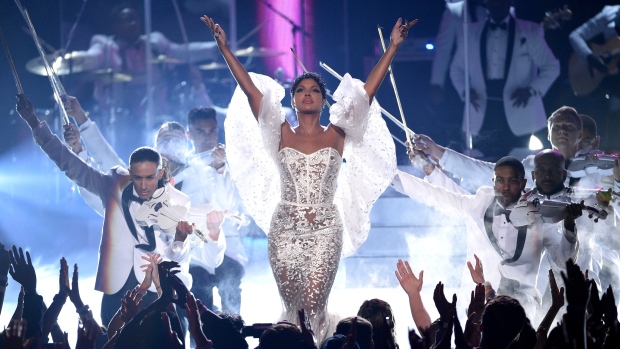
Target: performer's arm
{"points": [[74, 168], [560, 239], [397, 37], [579, 37], [236, 68]]}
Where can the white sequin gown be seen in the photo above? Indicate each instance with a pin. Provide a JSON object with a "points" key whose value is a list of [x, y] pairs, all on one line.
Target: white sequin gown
{"points": [[314, 210]]}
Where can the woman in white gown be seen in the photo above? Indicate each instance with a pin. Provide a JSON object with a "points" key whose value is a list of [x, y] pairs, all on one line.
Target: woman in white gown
{"points": [[287, 176]]}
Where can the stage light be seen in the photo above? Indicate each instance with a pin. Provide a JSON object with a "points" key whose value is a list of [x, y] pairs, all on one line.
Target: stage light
{"points": [[430, 46], [535, 143]]}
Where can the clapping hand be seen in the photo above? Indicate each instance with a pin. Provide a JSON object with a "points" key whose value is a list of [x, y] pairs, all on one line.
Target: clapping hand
{"points": [[74, 290], [400, 31], [170, 282], [557, 294], [151, 271], [218, 33], [22, 271], [407, 278], [444, 307]]}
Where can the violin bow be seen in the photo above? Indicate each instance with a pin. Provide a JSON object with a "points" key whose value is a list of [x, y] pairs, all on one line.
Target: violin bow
{"points": [[400, 107], [18, 84], [57, 86]]}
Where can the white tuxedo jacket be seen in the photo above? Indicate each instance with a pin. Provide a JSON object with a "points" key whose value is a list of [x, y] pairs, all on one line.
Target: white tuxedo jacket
{"points": [[532, 64]]}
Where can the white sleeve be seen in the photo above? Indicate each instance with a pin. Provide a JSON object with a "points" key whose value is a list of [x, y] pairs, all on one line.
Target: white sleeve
{"points": [[561, 244], [471, 170], [440, 179], [579, 37], [98, 147]]}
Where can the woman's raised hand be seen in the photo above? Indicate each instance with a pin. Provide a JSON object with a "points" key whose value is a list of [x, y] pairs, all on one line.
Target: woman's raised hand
{"points": [[400, 31], [218, 33]]}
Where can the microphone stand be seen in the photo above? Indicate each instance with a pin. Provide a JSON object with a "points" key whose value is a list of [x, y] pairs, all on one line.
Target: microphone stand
{"points": [[294, 30]]}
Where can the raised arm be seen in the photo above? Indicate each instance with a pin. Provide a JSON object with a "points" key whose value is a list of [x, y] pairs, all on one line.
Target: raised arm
{"points": [[236, 68], [398, 35]]}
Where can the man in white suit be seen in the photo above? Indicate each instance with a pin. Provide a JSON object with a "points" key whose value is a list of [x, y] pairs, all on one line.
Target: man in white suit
{"points": [[510, 68]]}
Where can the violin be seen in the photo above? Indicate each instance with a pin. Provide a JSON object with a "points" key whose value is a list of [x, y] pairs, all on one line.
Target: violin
{"points": [[592, 162], [163, 212], [531, 208]]}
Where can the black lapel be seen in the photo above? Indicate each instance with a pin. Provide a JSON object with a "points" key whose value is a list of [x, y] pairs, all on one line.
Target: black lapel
{"points": [[149, 231], [483, 49], [488, 226]]}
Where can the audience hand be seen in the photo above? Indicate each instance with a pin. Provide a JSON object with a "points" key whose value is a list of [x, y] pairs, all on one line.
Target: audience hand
{"points": [[19, 309], [195, 324], [476, 306], [521, 96], [415, 341], [459, 338], [557, 294], [5, 261], [71, 136], [173, 339], [15, 335], [444, 307], [74, 291], [446, 339], [610, 311], [130, 305], [477, 273], [407, 278], [87, 335], [22, 271], [577, 288], [308, 340]]}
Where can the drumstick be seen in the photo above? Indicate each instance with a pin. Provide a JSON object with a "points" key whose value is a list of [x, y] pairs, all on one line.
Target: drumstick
{"points": [[305, 70], [18, 84]]}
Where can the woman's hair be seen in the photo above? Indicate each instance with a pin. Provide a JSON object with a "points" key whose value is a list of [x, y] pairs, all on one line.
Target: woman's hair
{"points": [[379, 314], [315, 76]]}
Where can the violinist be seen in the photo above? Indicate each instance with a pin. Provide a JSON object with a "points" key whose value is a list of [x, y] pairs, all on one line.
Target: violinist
{"points": [[511, 255], [123, 242]]}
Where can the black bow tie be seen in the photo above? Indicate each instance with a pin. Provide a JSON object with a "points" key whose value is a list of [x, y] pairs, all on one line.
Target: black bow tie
{"points": [[498, 211], [136, 199], [494, 26]]}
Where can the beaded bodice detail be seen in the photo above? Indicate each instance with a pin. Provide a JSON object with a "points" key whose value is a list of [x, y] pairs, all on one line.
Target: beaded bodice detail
{"points": [[308, 179]]}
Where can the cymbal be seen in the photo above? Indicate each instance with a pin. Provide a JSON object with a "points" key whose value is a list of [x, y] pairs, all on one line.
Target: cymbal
{"points": [[165, 59], [71, 62], [213, 66], [258, 52], [107, 76]]}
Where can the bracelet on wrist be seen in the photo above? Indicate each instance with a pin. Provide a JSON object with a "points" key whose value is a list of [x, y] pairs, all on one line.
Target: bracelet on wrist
{"points": [[82, 309]]}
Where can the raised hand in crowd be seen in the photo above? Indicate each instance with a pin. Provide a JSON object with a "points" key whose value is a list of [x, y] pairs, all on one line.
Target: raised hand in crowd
{"points": [[474, 315], [173, 339], [307, 335], [415, 341], [87, 334], [15, 335], [444, 307], [577, 295], [412, 285], [195, 323], [130, 305], [73, 289], [476, 272], [557, 302], [5, 262], [19, 309], [151, 272], [22, 271], [169, 283]]}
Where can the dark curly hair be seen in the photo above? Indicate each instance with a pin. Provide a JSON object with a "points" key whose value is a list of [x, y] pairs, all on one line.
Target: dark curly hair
{"points": [[315, 76]]}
